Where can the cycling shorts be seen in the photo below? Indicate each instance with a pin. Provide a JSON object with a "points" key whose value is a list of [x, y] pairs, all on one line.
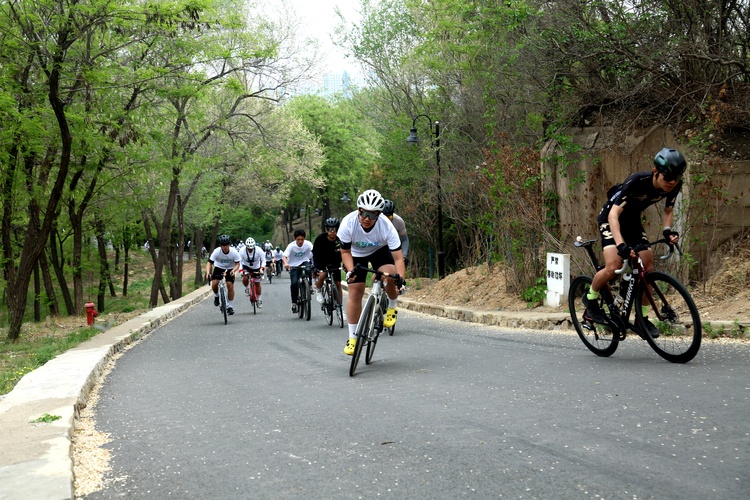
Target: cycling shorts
{"points": [[218, 272], [378, 259], [631, 233]]}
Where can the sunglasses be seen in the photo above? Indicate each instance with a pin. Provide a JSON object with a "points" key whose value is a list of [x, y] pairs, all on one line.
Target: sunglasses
{"points": [[331, 229], [671, 177], [366, 214]]}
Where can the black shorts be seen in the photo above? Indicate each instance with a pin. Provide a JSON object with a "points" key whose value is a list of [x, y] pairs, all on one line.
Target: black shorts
{"points": [[377, 260], [631, 233], [219, 271]]}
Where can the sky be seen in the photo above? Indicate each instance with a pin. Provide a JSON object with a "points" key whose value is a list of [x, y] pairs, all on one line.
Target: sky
{"points": [[319, 20]]}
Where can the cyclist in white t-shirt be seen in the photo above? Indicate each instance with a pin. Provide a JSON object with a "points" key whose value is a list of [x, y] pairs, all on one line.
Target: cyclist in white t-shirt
{"points": [[366, 238], [224, 260], [297, 253]]}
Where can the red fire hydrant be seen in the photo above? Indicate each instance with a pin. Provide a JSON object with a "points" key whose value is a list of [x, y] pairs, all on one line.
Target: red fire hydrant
{"points": [[91, 313]]}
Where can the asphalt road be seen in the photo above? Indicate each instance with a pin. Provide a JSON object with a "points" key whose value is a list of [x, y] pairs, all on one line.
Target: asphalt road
{"points": [[264, 408]]}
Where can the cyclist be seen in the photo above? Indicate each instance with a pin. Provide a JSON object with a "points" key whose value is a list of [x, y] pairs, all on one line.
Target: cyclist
{"points": [[268, 257], [252, 262], [620, 222], [223, 258], [278, 257], [267, 245], [297, 253], [389, 211], [368, 238], [327, 253]]}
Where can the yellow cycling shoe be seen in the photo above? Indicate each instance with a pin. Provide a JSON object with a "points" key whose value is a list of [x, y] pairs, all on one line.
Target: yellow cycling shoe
{"points": [[350, 345], [390, 317]]}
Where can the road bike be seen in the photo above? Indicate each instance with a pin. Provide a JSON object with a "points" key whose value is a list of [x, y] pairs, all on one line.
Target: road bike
{"points": [[370, 324], [269, 271], [252, 293], [332, 304], [223, 295], [304, 290], [677, 319]]}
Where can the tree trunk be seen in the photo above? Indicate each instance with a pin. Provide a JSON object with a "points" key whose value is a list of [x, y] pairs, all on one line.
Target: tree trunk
{"points": [[58, 266], [37, 294], [49, 287], [198, 234]]}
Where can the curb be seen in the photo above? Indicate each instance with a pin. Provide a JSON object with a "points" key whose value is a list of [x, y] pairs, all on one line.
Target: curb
{"points": [[37, 457]]}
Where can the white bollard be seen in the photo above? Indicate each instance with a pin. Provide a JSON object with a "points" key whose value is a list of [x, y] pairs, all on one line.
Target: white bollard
{"points": [[558, 279]]}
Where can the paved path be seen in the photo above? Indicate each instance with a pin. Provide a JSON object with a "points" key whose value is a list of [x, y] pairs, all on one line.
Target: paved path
{"points": [[35, 458]]}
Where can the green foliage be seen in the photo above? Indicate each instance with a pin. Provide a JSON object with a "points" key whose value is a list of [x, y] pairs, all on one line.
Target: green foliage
{"points": [[535, 294], [244, 221], [46, 418]]}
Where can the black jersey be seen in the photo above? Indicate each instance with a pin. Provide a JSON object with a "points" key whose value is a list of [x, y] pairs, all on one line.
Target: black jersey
{"points": [[635, 195], [326, 252]]}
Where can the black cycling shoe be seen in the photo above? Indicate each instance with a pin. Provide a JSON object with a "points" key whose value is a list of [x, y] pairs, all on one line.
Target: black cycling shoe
{"points": [[216, 300], [593, 312], [230, 311], [651, 328]]}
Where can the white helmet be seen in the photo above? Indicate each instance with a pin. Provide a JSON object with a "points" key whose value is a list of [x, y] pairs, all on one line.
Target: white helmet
{"points": [[371, 200], [250, 243]]}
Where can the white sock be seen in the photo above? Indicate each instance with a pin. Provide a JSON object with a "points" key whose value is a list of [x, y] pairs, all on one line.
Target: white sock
{"points": [[352, 331], [229, 303], [392, 303], [259, 297]]}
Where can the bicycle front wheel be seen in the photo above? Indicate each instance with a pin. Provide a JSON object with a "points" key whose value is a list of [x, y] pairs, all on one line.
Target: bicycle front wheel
{"points": [[365, 321], [597, 337], [337, 305], [671, 309], [223, 303], [376, 326], [327, 303], [301, 298]]}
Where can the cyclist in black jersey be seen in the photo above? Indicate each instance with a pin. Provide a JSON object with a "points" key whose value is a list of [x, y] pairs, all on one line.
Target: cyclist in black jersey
{"points": [[620, 221]]}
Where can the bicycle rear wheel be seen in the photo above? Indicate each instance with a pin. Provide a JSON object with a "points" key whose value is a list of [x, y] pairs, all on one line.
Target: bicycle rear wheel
{"points": [[337, 306], [365, 320], [223, 302], [307, 303], [676, 317], [327, 302], [597, 337]]}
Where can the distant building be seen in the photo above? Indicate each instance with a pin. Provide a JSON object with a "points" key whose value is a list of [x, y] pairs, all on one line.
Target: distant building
{"points": [[332, 84]]}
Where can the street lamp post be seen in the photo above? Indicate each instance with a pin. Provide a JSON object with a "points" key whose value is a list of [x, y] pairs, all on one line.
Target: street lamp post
{"points": [[414, 139]]}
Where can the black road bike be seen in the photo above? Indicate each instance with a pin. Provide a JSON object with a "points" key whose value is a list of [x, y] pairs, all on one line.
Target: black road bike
{"points": [[304, 290], [332, 304], [676, 316], [370, 324]]}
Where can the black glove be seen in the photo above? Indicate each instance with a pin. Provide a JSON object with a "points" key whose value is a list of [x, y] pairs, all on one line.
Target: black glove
{"points": [[623, 250], [668, 233], [349, 276], [406, 261]]}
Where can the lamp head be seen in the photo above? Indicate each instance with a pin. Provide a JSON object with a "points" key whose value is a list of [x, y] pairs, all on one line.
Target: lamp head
{"points": [[412, 139], [346, 198]]}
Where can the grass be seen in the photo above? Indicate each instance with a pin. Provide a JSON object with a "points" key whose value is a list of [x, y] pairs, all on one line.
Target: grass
{"points": [[40, 342]]}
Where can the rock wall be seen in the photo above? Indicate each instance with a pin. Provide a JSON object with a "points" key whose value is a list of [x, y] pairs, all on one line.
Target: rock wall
{"points": [[608, 156]]}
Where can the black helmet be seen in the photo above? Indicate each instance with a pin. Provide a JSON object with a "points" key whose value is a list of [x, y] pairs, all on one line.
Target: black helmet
{"points": [[670, 162], [389, 208], [224, 239], [333, 222]]}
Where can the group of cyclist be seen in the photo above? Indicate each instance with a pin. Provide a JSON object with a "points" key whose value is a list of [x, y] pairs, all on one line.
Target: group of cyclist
{"points": [[361, 238]]}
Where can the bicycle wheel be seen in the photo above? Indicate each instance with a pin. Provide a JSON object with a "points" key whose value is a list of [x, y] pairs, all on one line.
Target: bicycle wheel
{"points": [[223, 302], [300, 299], [365, 321], [376, 326], [676, 317], [253, 297], [337, 306], [307, 302], [598, 338], [327, 302], [270, 276]]}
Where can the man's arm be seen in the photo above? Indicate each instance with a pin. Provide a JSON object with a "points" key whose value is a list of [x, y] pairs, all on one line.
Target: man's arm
{"points": [[614, 224], [347, 259]]}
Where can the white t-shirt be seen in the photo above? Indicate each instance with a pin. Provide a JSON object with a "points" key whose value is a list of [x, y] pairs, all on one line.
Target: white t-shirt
{"points": [[255, 261], [296, 255], [367, 243], [224, 260]]}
